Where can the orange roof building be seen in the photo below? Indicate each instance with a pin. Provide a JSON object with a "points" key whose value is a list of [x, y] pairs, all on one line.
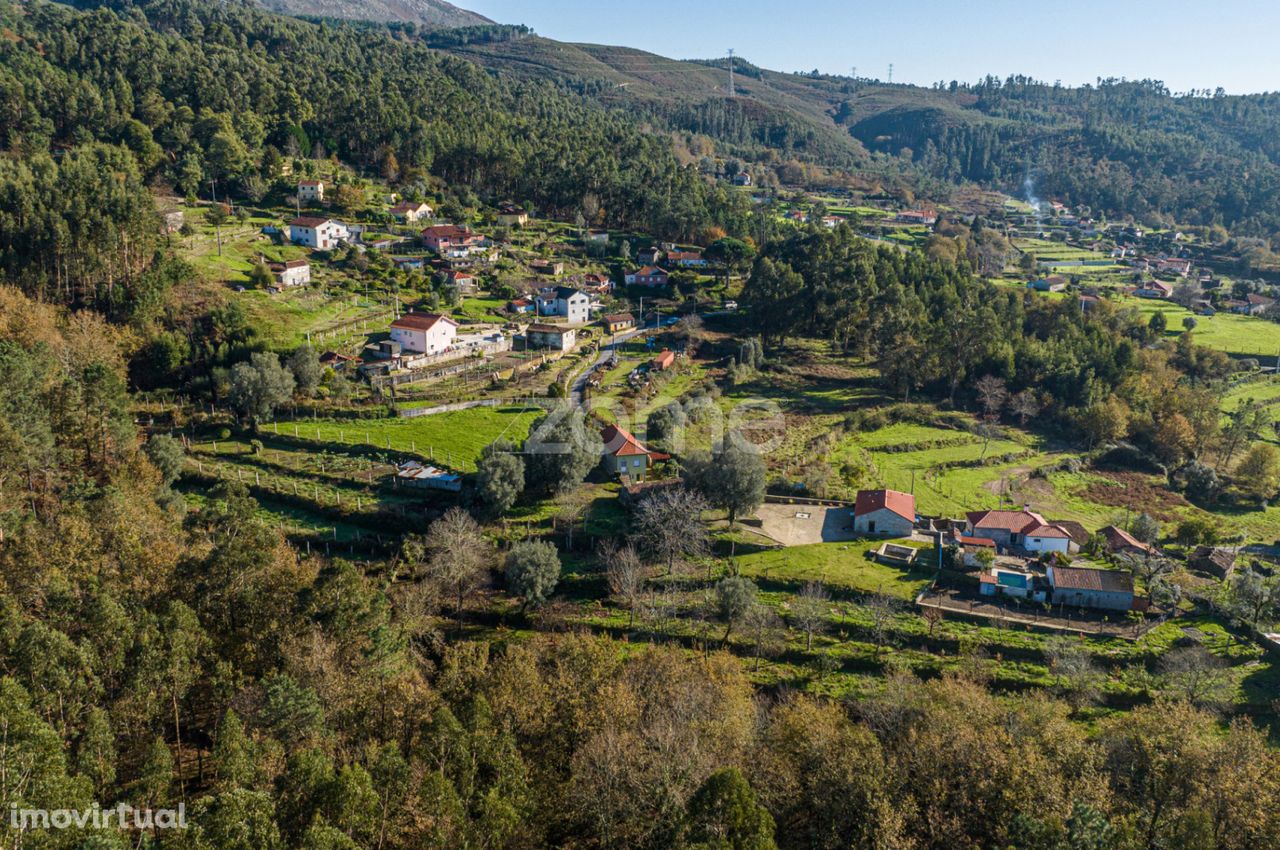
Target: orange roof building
{"points": [[625, 455]]}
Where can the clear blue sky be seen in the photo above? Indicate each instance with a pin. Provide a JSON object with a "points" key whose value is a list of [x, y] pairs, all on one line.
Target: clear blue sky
{"points": [[1229, 43]]}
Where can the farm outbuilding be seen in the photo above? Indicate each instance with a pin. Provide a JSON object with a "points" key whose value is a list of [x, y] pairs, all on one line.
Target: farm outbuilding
{"points": [[884, 513], [1085, 587]]}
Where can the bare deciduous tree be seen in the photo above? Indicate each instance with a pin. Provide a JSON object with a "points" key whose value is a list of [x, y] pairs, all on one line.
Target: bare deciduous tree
{"points": [[1023, 405], [765, 629], [458, 555], [992, 392], [625, 572], [1196, 675], [883, 610], [669, 527], [809, 611]]}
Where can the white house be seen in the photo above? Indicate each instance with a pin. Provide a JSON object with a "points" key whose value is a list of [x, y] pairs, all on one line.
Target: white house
{"points": [[427, 333], [887, 513], [411, 211], [1024, 528], [322, 234], [291, 272], [310, 190], [565, 301], [1046, 538]]}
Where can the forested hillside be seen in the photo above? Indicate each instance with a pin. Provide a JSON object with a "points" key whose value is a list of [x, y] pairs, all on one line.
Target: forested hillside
{"points": [[431, 13], [167, 655], [1118, 147], [211, 98]]}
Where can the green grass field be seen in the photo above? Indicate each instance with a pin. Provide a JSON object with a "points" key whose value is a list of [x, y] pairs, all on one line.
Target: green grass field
{"points": [[453, 439], [837, 565], [1239, 336], [1265, 391]]}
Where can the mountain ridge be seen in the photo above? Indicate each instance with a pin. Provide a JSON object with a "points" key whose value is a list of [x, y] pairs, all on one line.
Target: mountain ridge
{"points": [[429, 13]]}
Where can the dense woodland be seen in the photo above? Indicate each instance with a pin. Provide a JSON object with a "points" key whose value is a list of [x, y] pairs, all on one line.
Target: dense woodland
{"points": [[158, 656], [210, 98], [1119, 148]]}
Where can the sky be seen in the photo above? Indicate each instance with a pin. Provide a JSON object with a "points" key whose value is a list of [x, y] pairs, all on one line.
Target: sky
{"points": [[1203, 45]]}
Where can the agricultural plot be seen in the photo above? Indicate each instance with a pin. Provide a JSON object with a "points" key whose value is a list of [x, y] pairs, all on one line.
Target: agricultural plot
{"points": [[325, 494], [289, 318], [949, 471], [1237, 335], [842, 566], [1265, 391], [452, 439]]}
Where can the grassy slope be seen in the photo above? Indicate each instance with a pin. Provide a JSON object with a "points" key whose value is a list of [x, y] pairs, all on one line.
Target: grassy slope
{"points": [[454, 439]]}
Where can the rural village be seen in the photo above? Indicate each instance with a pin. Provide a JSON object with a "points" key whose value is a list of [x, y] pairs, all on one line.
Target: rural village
{"points": [[418, 432]]}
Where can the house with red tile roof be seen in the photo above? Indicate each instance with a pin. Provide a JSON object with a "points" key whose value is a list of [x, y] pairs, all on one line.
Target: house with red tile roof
{"points": [[625, 455], [310, 190], [1153, 289], [465, 281], [443, 238], [927, 217], [648, 276], [886, 513], [615, 322], [1120, 542], [426, 333], [1023, 529]]}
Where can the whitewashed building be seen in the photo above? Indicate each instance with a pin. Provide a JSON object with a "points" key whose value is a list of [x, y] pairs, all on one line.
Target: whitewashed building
{"points": [[425, 333], [310, 191], [321, 234]]}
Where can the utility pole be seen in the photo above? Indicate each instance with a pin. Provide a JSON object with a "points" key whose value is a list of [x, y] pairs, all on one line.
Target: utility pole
{"points": [[853, 72], [890, 73], [731, 91]]}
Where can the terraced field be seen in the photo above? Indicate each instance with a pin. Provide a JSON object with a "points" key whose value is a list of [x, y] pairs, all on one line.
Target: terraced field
{"points": [[1239, 336], [452, 439], [950, 471]]}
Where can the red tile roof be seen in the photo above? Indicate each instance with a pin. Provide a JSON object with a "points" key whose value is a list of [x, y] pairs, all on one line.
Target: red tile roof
{"points": [[307, 221], [421, 321], [1014, 522], [1118, 538], [1047, 531], [902, 504], [618, 442], [447, 231], [975, 541]]}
